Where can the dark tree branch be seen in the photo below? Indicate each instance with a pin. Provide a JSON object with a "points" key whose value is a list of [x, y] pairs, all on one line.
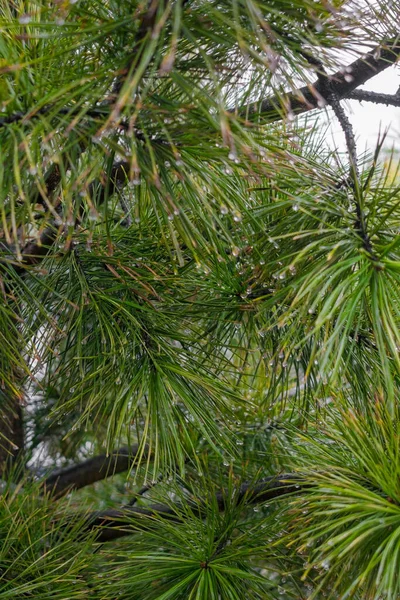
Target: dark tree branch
{"points": [[334, 101], [360, 224], [94, 469], [343, 83], [376, 97], [329, 94], [113, 524]]}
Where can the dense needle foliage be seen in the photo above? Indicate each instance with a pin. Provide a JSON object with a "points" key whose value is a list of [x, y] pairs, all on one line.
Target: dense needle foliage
{"points": [[200, 310]]}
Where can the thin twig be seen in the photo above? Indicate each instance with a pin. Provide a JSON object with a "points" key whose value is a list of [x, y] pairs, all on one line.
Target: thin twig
{"points": [[375, 97], [330, 95]]}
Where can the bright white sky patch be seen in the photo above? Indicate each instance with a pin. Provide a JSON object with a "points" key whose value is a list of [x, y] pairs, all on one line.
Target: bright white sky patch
{"points": [[369, 119]]}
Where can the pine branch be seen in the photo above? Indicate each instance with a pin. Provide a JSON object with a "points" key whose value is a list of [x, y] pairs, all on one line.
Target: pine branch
{"points": [[113, 524], [331, 97], [343, 83], [375, 97], [360, 224], [94, 469]]}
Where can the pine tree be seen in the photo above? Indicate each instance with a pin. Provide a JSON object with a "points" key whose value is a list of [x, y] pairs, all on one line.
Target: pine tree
{"points": [[199, 358]]}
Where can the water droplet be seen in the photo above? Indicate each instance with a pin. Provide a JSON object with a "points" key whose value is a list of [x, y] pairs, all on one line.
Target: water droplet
{"points": [[224, 210], [32, 170], [25, 19], [348, 78], [93, 214], [235, 251], [133, 182], [237, 217], [295, 207]]}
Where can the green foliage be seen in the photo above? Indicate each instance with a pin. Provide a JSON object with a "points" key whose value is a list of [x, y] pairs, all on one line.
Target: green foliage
{"points": [[349, 523], [38, 557], [205, 556], [191, 273]]}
